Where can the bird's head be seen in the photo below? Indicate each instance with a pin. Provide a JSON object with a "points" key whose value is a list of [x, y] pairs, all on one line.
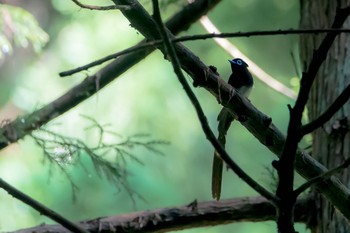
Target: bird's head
{"points": [[237, 62], [240, 79]]}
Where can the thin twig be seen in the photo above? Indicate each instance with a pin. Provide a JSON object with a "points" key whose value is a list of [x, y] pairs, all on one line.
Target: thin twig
{"points": [[278, 32], [324, 117], [260, 74], [101, 8], [138, 47], [40, 207], [321, 178], [201, 116]]}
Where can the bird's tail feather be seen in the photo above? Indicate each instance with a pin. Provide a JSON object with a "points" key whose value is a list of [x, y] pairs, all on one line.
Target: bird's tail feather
{"points": [[217, 170], [225, 119], [216, 176]]}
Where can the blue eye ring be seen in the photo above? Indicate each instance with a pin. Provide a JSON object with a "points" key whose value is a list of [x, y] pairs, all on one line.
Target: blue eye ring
{"points": [[238, 62]]}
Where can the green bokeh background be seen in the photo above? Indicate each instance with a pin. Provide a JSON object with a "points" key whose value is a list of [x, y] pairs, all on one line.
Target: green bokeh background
{"points": [[146, 99]]}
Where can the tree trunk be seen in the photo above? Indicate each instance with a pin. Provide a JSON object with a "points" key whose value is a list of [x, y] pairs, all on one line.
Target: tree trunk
{"points": [[331, 143]]}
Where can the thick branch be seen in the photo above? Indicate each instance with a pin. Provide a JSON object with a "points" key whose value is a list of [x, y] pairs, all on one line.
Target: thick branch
{"points": [[201, 214]]}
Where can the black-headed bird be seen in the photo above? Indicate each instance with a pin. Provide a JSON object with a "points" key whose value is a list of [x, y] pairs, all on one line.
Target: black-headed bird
{"points": [[242, 81]]}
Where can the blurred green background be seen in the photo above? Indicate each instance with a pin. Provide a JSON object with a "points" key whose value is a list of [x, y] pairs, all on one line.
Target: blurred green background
{"points": [[146, 99]]}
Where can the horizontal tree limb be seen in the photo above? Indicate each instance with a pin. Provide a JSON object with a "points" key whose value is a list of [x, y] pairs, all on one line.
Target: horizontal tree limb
{"points": [[193, 215]]}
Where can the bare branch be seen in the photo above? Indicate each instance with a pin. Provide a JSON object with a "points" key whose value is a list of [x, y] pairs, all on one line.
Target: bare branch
{"points": [[193, 215], [277, 32], [324, 117], [264, 77], [140, 46], [41, 208]]}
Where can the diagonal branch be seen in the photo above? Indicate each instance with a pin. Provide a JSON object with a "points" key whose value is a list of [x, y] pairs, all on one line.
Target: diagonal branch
{"points": [[324, 117], [40, 207], [139, 47], [322, 177], [17, 129], [201, 116]]}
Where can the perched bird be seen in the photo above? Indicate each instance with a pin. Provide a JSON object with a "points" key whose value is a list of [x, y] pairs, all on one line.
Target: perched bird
{"points": [[242, 81]]}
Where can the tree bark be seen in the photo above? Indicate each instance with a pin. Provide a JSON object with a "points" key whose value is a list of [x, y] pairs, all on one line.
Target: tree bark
{"points": [[193, 215], [331, 143]]}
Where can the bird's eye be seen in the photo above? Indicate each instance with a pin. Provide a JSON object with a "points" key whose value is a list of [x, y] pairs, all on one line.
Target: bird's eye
{"points": [[239, 62]]}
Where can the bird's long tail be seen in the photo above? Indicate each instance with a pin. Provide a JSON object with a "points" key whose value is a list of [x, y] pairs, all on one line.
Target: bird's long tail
{"points": [[216, 178], [225, 119]]}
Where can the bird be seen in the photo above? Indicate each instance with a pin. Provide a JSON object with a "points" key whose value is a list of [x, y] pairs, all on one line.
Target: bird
{"points": [[242, 81]]}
